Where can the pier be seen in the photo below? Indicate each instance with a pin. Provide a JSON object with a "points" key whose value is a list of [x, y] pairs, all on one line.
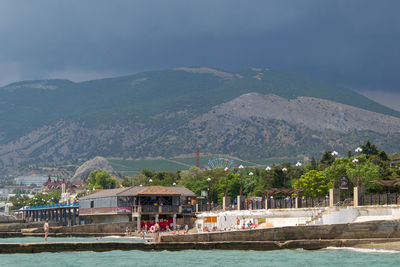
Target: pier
{"points": [[65, 214]]}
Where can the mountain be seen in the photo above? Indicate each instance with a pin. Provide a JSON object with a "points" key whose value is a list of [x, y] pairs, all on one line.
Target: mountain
{"points": [[97, 163], [254, 113]]}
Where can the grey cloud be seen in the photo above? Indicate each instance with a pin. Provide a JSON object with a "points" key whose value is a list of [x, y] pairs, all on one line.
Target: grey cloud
{"points": [[354, 43]]}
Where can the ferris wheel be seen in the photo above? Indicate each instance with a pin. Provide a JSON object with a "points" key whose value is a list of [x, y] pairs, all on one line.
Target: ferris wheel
{"points": [[216, 162]]}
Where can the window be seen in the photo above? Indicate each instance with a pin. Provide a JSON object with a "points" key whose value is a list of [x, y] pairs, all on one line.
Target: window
{"points": [[92, 204], [125, 201]]}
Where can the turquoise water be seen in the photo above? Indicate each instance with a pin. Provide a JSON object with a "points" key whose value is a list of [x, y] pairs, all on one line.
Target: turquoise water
{"points": [[71, 239], [326, 257]]}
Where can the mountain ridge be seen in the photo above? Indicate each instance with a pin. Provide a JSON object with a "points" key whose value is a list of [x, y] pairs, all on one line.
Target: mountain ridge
{"points": [[164, 113]]}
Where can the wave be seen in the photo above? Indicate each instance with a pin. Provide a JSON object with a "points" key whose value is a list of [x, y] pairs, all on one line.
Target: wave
{"points": [[364, 250]]}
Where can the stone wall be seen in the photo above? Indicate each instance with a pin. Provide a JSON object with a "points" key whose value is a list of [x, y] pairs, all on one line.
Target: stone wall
{"points": [[371, 229]]}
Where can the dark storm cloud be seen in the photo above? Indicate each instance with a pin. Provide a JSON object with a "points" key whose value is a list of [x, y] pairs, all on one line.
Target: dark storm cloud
{"points": [[355, 43]]}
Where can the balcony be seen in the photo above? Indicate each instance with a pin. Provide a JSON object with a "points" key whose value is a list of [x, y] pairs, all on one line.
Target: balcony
{"points": [[156, 209]]}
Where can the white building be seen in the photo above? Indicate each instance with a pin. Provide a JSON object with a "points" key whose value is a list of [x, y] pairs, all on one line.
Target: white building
{"points": [[37, 180]]}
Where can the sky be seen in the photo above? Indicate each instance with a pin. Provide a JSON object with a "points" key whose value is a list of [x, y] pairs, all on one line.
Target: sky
{"points": [[353, 43]]}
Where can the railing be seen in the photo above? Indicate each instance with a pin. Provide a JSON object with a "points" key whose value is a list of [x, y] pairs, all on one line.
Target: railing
{"points": [[170, 208], [149, 208], [156, 209], [53, 206], [187, 209], [205, 207], [254, 205], [309, 202], [272, 203], [380, 199]]}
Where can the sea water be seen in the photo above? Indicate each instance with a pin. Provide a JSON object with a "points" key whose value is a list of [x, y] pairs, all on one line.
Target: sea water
{"points": [[325, 257], [73, 239]]}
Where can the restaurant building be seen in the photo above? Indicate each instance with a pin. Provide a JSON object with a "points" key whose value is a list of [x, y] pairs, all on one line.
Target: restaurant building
{"points": [[141, 205]]}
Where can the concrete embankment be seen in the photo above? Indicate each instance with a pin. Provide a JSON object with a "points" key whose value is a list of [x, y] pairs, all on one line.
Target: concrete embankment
{"points": [[363, 230], [36, 229], [172, 246]]}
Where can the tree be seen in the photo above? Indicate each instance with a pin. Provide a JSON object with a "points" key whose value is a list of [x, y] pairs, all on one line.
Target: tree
{"points": [[314, 184], [194, 179], [369, 149], [350, 154], [148, 173], [367, 172], [313, 164], [112, 183], [327, 158], [52, 197], [266, 179], [100, 179], [127, 182], [19, 201], [233, 180], [250, 183]]}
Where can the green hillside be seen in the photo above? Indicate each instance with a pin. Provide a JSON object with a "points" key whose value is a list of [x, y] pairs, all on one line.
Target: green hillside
{"points": [[30, 104], [134, 167]]}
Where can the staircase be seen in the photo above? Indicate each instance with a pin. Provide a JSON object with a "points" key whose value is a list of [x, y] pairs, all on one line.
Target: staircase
{"points": [[318, 215]]}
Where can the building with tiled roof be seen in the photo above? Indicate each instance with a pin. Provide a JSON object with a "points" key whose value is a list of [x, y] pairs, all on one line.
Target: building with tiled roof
{"points": [[141, 205]]}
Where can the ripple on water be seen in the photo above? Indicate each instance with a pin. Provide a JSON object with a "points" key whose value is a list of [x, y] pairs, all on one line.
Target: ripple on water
{"points": [[299, 257]]}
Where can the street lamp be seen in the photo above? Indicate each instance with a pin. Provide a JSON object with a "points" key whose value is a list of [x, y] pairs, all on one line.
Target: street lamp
{"points": [[240, 168], [358, 150], [356, 161], [284, 170], [209, 180], [226, 186], [334, 155]]}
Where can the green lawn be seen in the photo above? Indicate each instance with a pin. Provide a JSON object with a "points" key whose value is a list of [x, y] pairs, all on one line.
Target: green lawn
{"points": [[132, 167]]}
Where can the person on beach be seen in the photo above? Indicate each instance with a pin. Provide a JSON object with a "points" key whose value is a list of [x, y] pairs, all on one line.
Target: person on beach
{"points": [[143, 234], [46, 230], [157, 232]]}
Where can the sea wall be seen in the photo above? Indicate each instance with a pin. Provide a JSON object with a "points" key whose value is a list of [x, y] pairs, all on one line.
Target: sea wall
{"points": [[233, 245], [86, 229], [17, 226], [371, 229]]}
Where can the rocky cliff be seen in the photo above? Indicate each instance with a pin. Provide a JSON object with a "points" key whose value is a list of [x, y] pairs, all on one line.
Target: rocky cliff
{"points": [[250, 126], [254, 113], [97, 163]]}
